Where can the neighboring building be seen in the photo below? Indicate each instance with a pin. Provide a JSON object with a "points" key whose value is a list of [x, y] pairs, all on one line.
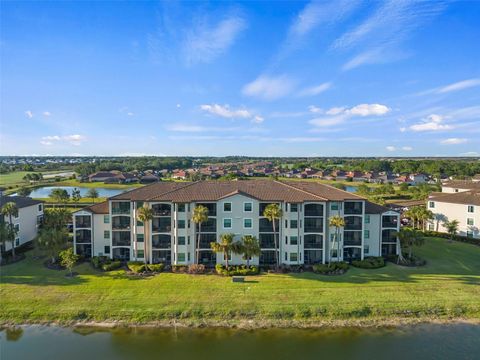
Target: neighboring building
{"points": [[416, 179], [30, 216], [110, 228], [461, 206], [101, 176], [456, 186]]}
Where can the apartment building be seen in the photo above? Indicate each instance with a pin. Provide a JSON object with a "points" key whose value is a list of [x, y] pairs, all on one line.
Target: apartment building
{"points": [[111, 228], [30, 216]]}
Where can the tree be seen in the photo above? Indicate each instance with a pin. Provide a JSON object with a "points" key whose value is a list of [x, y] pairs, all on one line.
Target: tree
{"points": [[273, 213], [76, 195], [68, 259], [409, 238], [24, 191], [200, 216], [145, 215], [59, 195], [413, 214], [425, 216], [10, 209], [7, 233], [337, 222], [52, 240], [227, 246], [452, 228], [250, 247], [56, 218], [92, 193]]}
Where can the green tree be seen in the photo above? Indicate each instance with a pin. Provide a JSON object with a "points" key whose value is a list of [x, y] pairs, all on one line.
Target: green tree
{"points": [[337, 222], [145, 215], [56, 218], [76, 195], [10, 210], [409, 238], [92, 193], [52, 241], [452, 228], [24, 191], [68, 259], [7, 233], [250, 247], [59, 195], [227, 246], [200, 216], [273, 213]]}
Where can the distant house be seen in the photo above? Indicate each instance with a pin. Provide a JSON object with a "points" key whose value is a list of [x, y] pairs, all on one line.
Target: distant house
{"points": [[416, 179], [456, 186], [101, 176], [476, 178], [149, 178], [179, 174]]}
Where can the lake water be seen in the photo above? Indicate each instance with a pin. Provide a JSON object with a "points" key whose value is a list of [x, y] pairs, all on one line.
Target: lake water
{"points": [[351, 189], [459, 341], [44, 192]]}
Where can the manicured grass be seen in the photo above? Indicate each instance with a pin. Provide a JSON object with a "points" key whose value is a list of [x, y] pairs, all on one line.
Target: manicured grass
{"points": [[77, 183], [16, 178], [448, 286]]}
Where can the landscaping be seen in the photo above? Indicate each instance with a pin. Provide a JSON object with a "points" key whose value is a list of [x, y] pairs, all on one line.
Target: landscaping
{"points": [[446, 287]]}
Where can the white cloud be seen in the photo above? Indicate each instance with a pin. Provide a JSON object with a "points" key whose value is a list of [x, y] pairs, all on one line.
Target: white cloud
{"points": [[225, 111], [72, 139], [453, 141], [465, 84], [29, 114], [335, 110], [204, 43], [315, 90], [258, 119], [369, 110], [391, 148], [130, 113], [269, 87], [47, 113], [198, 128], [315, 109], [432, 123], [407, 148], [470, 153], [179, 106], [338, 115]]}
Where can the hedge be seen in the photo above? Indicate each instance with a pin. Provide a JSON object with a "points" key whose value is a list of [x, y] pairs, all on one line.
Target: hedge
{"points": [[236, 270], [460, 238], [112, 265], [156, 267], [370, 262], [332, 268], [136, 266]]}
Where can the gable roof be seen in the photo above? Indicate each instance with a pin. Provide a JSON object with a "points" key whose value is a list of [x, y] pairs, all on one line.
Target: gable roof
{"points": [[372, 208], [100, 208], [471, 197], [462, 184], [20, 201]]}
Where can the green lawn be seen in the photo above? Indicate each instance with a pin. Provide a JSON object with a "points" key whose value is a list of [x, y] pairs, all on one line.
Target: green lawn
{"points": [[16, 178], [75, 182], [449, 286]]}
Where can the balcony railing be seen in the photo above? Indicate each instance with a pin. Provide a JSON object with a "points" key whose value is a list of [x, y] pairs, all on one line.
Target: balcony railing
{"points": [[353, 223], [313, 225], [162, 210], [121, 208], [121, 223], [121, 238], [313, 210], [353, 208], [313, 242], [352, 238]]}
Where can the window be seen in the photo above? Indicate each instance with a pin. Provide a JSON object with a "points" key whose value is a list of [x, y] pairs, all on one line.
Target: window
{"points": [[469, 233], [332, 237], [366, 234], [17, 241], [140, 237], [181, 207], [106, 219], [366, 249], [106, 234], [293, 207], [334, 253], [17, 228], [181, 257], [139, 223], [286, 256], [40, 207], [293, 224], [286, 223], [470, 221], [367, 219], [431, 204], [471, 208], [293, 240], [247, 207], [247, 223], [227, 207], [139, 204], [106, 249], [227, 223], [293, 257], [286, 240], [334, 206], [188, 242], [181, 240], [431, 227], [140, 254], [181, 224]]}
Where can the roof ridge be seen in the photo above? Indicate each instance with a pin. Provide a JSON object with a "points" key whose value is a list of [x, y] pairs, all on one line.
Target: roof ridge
{"points": [[174, 190], [301, 190]]}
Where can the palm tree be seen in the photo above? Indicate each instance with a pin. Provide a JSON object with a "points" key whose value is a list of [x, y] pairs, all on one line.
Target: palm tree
{"points": [[52, 240], [57, 218], [6, 234], [250, 247], [10, 209], [227, 246], [200, 216], [412, 214], [424, 216], [145, 215], [273, 213], [452, 228], [337, 222], [408, 238]]}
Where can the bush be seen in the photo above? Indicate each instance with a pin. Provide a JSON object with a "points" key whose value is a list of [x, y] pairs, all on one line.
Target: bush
{"points": [[465, 239], [179, 268], [196, 269], [111, 265], [236, 270], [98, 261], [137, 267], [370, 262], [334, 268], [156, 267]]}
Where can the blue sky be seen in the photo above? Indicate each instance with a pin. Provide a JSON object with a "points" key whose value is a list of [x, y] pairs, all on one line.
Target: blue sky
{"points": [[340, 78]]}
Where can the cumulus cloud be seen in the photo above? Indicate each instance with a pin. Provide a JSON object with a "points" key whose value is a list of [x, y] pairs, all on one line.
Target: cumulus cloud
{"points": [[432, 123], [315, 90], [47, 113], [391, 148], [453, 141], [269, 87], [72, 139], [407, 148], [226, 111], [29, 114], [338, 115]]}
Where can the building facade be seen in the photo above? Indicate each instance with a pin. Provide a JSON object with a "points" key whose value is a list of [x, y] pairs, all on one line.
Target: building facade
{"points": [[303, 233]]}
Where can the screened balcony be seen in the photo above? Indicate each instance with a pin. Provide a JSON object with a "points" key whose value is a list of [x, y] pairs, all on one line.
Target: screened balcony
{"points": [[162, 256], [121, 238], [267, 241], [313, 241], [83, 236], [313, 210], [209, 226], [161, 242], [212, 208], [205, 241], [120, 208], [389, 221], [121, 223], [121, 254], [162, 224], [389, 236], [351, 254], [353, 223], [267, 258], [353, 208], [352, 238], [267, 226], [162, 209], [83, 221], [262, 207], [313, 225], [207, 258], [312, 257]]}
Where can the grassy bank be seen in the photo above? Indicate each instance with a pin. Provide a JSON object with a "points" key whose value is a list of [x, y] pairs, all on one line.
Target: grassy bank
{"points": [[76, 183], [447, 287]]}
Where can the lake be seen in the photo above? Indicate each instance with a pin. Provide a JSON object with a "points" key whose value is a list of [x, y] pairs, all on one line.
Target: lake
{"points": [[432, 341], [351, 189], [44, 192]]}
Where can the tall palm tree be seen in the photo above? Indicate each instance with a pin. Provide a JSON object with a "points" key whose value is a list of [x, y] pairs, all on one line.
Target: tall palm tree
{"points": [[337, 222], [227, 246], [273, 213], [452, 228], [250, 247], [200, 216], [145, 215], [52, 240], [10, 209], [6, 234], [409, 238]]}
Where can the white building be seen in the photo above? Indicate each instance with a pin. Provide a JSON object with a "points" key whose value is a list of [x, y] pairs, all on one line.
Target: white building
{"points": [[456, 186], [30, 216], [304, 237]]}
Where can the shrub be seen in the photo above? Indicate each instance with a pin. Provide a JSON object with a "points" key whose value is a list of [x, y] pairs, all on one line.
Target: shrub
{"points": [[236, 270], [370, 262], [156, 267], [179, 268], [196, 269], [136, 266], [334, 268], [98, 261], [111, 265], [466, 239]]}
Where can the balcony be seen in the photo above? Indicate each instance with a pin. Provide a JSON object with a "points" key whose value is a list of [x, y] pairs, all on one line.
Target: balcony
{"points": [[212, 208], [161, 242], [209, 226], [162, 210], [389, 221], [121, 223], [353, 223], [163, 224], [389, 236], [205, 241], [83, 221], [353, 208], [267, 226], [313, 210], [267, 241], [120, 208], [313, 242], [83, 236], [314, 225], [162, 256], [312, 257], [352, 238], [121, 238], [262, 207]]}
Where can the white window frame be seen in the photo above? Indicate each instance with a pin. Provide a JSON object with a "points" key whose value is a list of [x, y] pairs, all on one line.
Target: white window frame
{"points": [[225, 211], [223, 223], [431, 204], [251, 206], [251, 223], [470, 207], [473, 221]]}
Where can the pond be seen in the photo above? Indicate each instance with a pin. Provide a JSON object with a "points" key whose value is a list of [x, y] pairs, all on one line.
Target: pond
{"points": [[44, 192], [351, 189], [428, 341]]}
